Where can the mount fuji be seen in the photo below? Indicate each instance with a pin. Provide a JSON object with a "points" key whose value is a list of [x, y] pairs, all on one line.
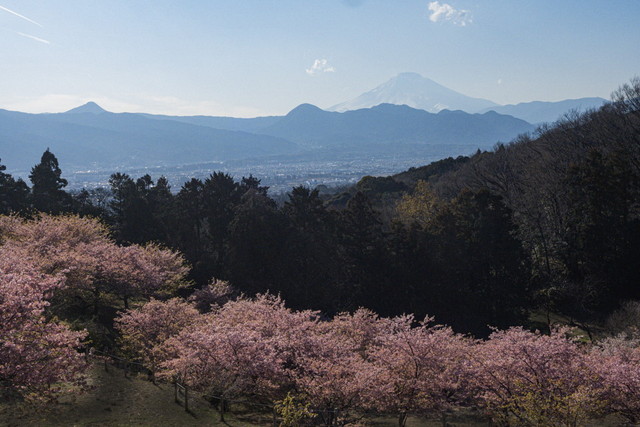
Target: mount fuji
{"points": [[418, 92]]}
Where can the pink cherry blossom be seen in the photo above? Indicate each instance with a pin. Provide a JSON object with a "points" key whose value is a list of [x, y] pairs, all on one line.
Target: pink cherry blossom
{"points": [[36, 354], [537, 379]]}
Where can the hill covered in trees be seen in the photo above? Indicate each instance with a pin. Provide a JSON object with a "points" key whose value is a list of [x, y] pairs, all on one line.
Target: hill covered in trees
{"points": [[572, 190]]}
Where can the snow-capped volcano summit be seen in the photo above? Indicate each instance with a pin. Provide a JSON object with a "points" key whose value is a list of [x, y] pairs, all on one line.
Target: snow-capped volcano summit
{"points": [[416, 91]]}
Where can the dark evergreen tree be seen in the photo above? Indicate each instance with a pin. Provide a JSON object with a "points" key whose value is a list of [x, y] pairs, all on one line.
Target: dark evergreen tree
{"points": [[47, 192], [221, 197], [143, 210], [14, 194], [411, 288], [161, 204], [365, 256], [255, 243], [480, 272], [129, 213], [191, 227], [305, 209], [310, 262], [252, 183]]}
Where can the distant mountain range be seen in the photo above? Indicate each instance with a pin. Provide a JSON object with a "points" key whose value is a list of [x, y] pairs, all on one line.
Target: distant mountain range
{"points": [[88, 137], [101, 140], [432, 120], [419, 92], [546, 112], [390, 124]]}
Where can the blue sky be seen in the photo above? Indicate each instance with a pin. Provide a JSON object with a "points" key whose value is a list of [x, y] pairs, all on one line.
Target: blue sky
{"points": [[247, 58]]}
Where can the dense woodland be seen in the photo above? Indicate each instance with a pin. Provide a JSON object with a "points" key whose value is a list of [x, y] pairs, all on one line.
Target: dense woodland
{"points": [[548, 223]]}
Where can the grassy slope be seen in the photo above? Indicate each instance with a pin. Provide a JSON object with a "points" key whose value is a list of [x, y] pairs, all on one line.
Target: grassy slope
{"points": [[115, 400]]}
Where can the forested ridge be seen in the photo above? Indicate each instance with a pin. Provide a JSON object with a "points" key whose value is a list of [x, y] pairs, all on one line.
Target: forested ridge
{"points": [[547, 223]]}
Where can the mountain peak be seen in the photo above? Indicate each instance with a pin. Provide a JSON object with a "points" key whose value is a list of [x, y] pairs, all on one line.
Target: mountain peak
{"points": [[304, 109], [418, 92], [409, 76], [89, 107]]}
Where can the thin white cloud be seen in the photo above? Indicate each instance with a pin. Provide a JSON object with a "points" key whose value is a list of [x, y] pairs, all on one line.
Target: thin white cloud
{"points": [[38, 39], [446, 12], [320, 66], [20, 16]]}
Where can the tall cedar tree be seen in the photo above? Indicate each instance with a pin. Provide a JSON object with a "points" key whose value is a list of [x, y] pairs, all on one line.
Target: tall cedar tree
{"points": [[309, 258], [480, 269], [47, 190]]}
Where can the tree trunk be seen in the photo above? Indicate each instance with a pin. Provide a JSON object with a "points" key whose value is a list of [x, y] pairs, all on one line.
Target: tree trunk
{"points": [[402, 419], [221, 408], [96, 297]]}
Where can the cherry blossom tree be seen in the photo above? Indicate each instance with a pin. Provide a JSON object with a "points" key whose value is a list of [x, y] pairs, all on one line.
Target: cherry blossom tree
{"points": [[36, 354], [215, 294], [334, 379], [337, 368], [423, 369], [333, 373], [144, 331], [93, 265], [233, 351], [141, 271], [617, 361], [223, 362], [260, 348], [359, 330], [536, 379]]}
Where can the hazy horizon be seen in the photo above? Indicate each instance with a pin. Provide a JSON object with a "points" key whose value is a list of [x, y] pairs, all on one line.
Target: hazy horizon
{"points": [[264, 57]]}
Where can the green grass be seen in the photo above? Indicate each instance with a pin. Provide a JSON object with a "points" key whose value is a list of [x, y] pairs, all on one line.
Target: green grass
{"points": [[115, 400], [538, 320]]}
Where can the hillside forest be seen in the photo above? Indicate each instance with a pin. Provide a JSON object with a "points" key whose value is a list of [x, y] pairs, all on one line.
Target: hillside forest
{"points": [[303, 298]]}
